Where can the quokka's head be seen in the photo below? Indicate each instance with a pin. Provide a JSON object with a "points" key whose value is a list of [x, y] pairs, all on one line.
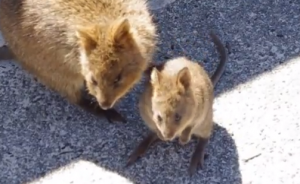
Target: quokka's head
{"points": [[111, 60], [172, 102]]}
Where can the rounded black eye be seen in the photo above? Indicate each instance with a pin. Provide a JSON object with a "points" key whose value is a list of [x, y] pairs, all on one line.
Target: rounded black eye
{"points": [[177, 117], [159, 118], [117, 79], [94, 82]]}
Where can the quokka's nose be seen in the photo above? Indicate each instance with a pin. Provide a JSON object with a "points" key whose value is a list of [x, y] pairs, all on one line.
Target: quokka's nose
{"points": [[168, 135], [105, 104]]}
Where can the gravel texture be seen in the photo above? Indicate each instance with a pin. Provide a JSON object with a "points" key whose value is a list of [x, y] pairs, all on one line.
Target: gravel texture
{"points": [[44, 139]]}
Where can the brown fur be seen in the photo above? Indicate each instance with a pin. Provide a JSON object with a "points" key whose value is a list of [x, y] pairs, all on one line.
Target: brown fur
{"points": [[178, 102], [107, 43], [180, 90]]}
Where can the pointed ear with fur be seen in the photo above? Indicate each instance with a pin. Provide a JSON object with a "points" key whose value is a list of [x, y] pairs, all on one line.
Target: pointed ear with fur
{"points": [[87, 37], [184, 78], [119, 34], [155, 76], [149, 69]]}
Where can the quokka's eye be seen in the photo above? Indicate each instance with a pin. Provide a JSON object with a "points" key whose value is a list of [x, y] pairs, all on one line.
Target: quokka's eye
{"points": [[118, 78], [94, 82], [177, 117], [159, 118]]}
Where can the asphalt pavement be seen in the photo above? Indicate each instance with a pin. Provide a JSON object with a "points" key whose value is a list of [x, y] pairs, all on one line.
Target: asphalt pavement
{"points": [[44, 139]]}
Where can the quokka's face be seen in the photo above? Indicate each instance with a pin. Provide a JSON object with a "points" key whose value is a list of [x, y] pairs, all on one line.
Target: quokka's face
{"points": [[111, 61], [171, 103]]}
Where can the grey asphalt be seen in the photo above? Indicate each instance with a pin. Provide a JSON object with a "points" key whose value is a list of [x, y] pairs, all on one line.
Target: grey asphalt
{"points": [[44, 139]]}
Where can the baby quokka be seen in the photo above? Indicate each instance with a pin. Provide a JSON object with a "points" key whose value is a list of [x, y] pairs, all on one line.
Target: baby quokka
{"points": [[178, 102]]}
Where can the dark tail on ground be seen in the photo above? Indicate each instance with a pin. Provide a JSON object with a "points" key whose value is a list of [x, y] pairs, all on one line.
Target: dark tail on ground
{"points": [[222, 55]]}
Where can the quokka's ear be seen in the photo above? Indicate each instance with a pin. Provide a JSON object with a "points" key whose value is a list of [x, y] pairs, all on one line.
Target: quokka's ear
{"points": [[155, 76], [149, 69], [184, 78], [119, 34], [87, 37]]}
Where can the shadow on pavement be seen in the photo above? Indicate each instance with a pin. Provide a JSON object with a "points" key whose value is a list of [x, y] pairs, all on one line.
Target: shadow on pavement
{"points": [[168, 162], [35, 144]]}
